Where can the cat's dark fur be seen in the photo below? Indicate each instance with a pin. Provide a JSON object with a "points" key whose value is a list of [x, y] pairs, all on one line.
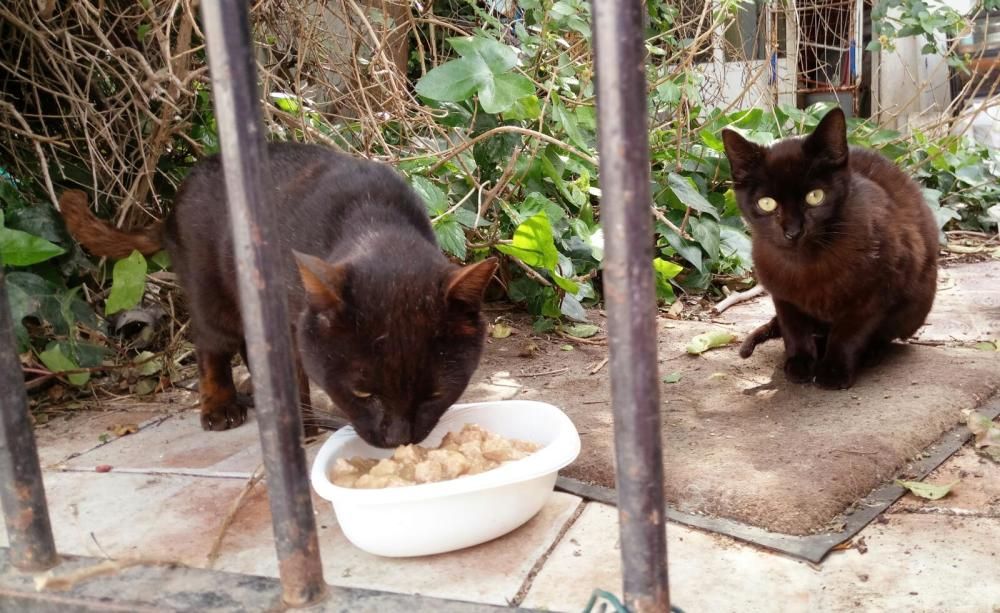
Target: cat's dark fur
{"points": [[385, 324], [848, 275]]}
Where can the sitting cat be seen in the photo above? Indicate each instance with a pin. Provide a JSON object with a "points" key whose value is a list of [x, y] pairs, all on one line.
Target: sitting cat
{"points": [[843, 241], [383, 322]]}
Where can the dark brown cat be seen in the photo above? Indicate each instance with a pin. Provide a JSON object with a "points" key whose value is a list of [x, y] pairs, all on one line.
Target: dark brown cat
{"points": [[844, 243], [384, 323]]}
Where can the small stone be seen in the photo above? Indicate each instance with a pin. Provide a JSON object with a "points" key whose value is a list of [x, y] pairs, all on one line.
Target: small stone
{"points": [[103, 468]]}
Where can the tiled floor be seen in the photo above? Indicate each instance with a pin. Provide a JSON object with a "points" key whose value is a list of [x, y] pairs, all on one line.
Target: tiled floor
{"points": [[171, 485]]}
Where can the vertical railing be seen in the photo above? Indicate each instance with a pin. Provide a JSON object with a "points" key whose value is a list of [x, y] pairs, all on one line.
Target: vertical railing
{"points": [[630, 300], [263, 300], [21, 491]]}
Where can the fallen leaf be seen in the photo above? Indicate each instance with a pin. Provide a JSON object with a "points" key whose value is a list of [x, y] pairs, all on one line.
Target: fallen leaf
{"points": [[673, 377], [709, 340], [986, 346], [581, 330], [528, 350], [567, 347], [675, 309], [150, 364], [986, 430], [124, 429], [103, 468], [928, 491], [501, 331], [144, 387], [104, 437]]}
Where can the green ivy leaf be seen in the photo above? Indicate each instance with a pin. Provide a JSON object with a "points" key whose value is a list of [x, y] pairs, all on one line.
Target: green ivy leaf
{"points": [[128, 283], [57, 361], [19, 248], [432, 195], [527, 108], [497, 56], [568, 122], [455, 80], [685, 191], [706, 233], [533, 243], [451, 236], [665, 271], [499, 93]]}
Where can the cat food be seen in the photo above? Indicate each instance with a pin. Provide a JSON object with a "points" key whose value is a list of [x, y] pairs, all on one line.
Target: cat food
{"points": [[468, 452]]}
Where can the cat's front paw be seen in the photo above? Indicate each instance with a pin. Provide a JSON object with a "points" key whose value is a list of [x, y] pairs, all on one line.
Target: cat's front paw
{"points": [[799, 369], [834, 375], [223, 416]]}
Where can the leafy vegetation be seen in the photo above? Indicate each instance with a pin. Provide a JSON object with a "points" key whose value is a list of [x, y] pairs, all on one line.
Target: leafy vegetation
{"points": [[502, 148]]}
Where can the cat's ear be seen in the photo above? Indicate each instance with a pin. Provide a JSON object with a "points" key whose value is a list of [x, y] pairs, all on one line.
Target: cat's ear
{"points": [[743, 155], [466, 285], [324, 282], [828, 141]]}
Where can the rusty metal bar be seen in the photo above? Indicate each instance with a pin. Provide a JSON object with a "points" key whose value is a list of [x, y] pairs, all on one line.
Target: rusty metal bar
{"points": [[22, 493], [263, 301], [619, 58]]}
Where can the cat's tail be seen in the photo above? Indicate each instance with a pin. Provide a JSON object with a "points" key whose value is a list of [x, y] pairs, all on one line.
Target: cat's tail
{"points": [[762, 334], [101, 238]]}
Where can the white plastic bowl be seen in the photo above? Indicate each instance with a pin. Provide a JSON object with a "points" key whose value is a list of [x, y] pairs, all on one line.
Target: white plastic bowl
{"points": [[434, 518]]}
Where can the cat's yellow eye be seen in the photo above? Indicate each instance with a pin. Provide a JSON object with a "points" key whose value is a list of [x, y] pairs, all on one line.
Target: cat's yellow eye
{"points": [[359, 394], [815, 197], [767, 204]]}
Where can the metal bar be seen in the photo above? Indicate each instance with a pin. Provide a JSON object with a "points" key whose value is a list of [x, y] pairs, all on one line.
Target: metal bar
{"points": [[263, 301], [22, 493], [619, 58]]}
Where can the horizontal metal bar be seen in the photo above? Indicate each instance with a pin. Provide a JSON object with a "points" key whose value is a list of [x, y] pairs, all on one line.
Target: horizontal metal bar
{"points": [[22, 493], [160, 588], [630, 300], [263, 299]]}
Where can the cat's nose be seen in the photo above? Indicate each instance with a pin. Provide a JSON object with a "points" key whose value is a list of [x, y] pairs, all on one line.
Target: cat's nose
{"points": [[395, 432], [793, 233]]}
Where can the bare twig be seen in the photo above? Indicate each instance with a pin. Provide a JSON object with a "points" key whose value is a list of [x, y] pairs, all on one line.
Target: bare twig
{"points": [[738, 297]]}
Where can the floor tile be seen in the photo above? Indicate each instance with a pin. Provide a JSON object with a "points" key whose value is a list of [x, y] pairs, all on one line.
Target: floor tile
{"points": [[707, 572], [489, 573]]}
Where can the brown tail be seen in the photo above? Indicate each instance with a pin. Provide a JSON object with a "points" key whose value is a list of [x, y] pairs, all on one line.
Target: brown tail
{"points": [[762, 334], [101, 238]]}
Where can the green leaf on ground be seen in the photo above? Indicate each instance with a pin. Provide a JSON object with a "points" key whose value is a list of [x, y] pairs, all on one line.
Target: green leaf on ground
{"points": [[128, 283], [673, 377], [501, 331], [927, 491], [57, 361], [582, 330], [709, 340]]}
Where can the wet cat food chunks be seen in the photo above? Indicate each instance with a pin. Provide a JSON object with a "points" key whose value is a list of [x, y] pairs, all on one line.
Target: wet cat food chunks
{"points": [[468, 452]]}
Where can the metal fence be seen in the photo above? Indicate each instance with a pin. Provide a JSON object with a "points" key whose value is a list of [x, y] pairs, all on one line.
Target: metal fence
{"points": [[629, 295]]}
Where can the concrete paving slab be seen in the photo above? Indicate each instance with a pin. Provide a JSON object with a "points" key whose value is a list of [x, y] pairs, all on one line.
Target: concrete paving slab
{"points": [[912, 563], [976, 493], [176, 443], [707, 572], [162, 517], [491, 573], [916, 563], [68, 435]]}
